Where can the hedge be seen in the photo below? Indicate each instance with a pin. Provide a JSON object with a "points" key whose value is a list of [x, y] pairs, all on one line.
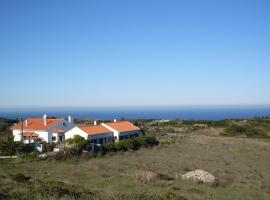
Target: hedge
{"points": [[131, 144]]}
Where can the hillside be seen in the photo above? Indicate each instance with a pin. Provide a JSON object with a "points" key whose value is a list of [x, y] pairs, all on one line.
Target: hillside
{"points": [[231, 150]]}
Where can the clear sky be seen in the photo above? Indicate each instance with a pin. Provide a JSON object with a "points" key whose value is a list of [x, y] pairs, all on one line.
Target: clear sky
{"points": [[140, 52]]}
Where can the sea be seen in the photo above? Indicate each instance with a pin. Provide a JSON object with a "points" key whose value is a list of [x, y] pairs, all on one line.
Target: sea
{"points": [[154, 112]]}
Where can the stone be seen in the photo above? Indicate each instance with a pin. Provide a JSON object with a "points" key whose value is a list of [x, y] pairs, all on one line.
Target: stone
{"points": [[43, 156], [199, 176]]}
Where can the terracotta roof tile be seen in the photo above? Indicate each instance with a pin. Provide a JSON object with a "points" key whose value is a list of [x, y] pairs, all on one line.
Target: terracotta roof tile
{"points": [[122, 126], [37, 124], [93, 130]]}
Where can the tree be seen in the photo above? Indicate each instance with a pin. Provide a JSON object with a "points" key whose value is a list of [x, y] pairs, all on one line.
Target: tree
{"points": [[8, 146]]}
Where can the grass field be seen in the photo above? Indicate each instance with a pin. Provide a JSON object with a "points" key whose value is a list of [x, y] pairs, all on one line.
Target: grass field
{"points": [[240, 165]]}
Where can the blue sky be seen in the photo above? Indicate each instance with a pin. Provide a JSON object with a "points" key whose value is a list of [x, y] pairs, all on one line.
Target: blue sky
{"points": [[126, 53]]}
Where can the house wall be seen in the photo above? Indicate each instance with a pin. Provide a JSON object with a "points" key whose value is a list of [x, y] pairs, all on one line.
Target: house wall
{"points": [[130, 134], [115, 132], [43, 135], [46, 135], [105, 137], [118, 135], [63, 125], [76, 131], [17, 135]]}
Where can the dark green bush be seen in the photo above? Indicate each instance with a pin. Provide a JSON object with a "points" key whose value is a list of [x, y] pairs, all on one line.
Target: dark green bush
{"points": [[131, 144], [7, 145], [20, 178]]}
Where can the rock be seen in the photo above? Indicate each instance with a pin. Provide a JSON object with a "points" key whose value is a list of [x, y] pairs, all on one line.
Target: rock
{"points": [[43, 156], [199, 176]]}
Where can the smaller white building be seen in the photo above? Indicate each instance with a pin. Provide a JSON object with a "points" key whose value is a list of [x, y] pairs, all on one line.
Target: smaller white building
{"points": [[123, 130], [106, 132], [97, 134], [49, 130]]}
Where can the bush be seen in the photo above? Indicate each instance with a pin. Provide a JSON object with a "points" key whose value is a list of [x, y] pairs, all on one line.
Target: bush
{"points": [[29, 156], [7, 145], [49, 147], [78, 143], [20, 178], [248, 131], [132, 144]]}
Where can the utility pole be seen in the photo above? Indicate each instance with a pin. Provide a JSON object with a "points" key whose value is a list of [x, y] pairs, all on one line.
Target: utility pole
{"points": [[21, 121]]}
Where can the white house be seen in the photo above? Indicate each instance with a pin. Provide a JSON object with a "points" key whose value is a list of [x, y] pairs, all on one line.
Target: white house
{"points": [[49, 130], [97, 134], [123, 130], [106, 132]]}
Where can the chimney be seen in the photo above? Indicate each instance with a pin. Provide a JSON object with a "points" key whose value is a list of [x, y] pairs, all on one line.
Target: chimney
{"points": [[26, 123], [70, 120], [45, 120], [114, 120], [95, 123]]}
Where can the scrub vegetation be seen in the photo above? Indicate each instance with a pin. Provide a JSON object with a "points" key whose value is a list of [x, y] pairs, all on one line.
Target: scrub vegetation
{"points": [[236, 152]]}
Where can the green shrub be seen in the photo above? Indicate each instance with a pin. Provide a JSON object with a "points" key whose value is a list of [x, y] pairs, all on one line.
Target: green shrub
{"points": [[49, 147], [131, 144], [20, 178], [79, 143], [248, 131], [7, 145], [29, 156]]}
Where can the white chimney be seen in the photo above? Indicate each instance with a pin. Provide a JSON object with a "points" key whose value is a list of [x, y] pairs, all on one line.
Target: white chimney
{"points": [[95, 123], [45, 120], [70, 120], [114, 120], [26, 122]]}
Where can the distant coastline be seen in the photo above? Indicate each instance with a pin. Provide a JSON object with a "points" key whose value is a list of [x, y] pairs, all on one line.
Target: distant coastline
{"points": [[162, 112]]}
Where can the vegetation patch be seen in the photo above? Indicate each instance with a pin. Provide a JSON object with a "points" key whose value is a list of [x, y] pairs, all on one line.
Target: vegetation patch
{"points": [[20, 178], [248, 131], [132, 144]]}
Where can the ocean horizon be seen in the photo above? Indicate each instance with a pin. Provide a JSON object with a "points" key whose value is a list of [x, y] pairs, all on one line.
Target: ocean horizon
{"points": [[169, 113]]}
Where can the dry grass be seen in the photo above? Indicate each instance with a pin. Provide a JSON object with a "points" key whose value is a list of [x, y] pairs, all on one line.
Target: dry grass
{"points": [[240, 165], [145, 176]]}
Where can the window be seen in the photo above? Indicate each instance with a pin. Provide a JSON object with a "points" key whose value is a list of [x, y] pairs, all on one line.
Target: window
{"points": [[100, 141], [53, 138], [61, 138], [64, 124], [94, 141]]}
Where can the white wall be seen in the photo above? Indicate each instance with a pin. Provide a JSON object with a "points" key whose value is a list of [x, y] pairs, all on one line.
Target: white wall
{"points": [[76, 131], [43, 135], [115, 132], [46, 135], [67, 127], [106, 137], [17, 135]]}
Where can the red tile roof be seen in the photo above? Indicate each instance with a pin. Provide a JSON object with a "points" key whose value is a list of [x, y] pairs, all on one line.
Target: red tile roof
{"points": [[122, 126], [58, 131], [37, 124], [94, 130]]}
